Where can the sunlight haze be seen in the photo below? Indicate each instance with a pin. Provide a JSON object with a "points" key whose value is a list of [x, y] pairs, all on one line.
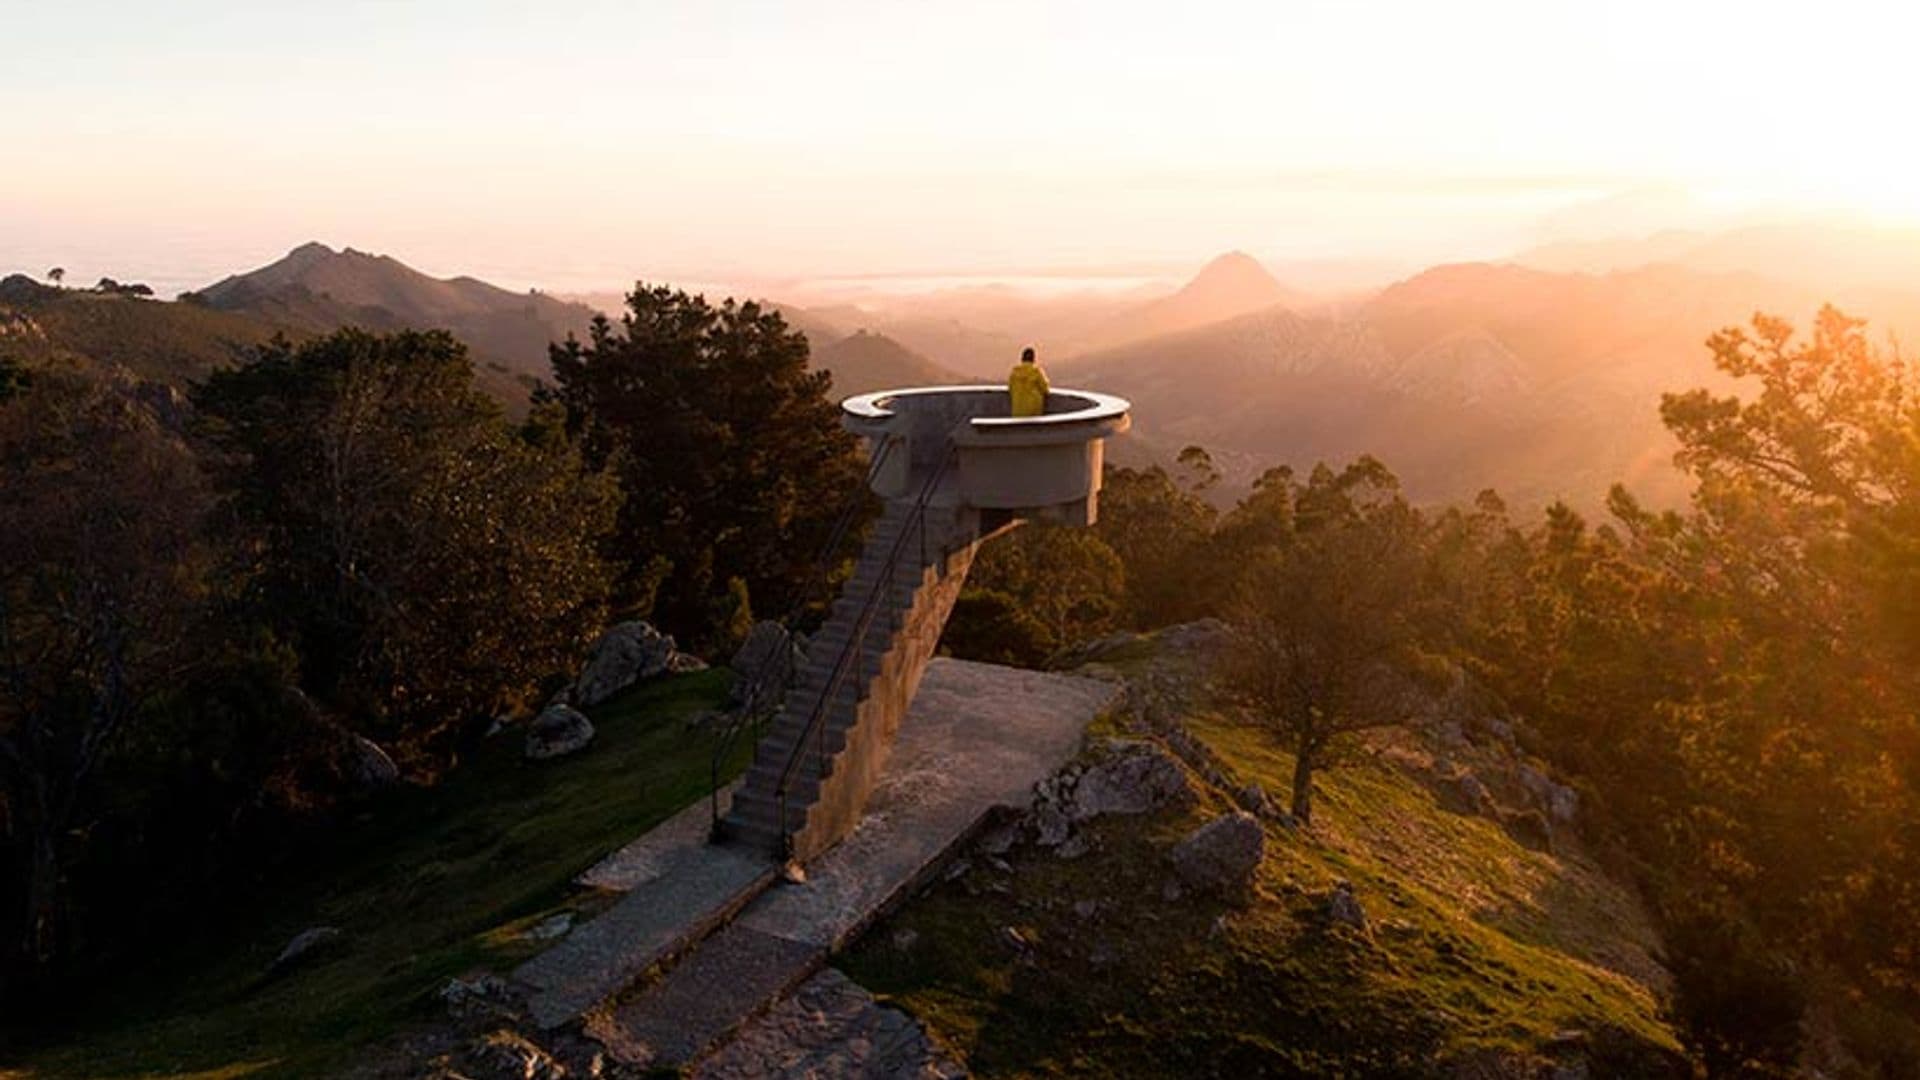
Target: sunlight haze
{"points": [[576, 145]]}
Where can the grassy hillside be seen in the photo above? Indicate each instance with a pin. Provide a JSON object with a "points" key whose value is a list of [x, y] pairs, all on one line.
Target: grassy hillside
{"points": [[432, 885], [164, 342], [1481, 957], [179, 342]]}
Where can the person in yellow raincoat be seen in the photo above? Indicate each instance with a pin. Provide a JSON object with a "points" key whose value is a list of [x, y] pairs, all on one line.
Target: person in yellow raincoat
{"points": [[1027, 386]]}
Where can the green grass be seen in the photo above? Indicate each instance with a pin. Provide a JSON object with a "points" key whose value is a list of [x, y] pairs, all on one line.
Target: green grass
{"points": [[1476, 946], [437, 883]]}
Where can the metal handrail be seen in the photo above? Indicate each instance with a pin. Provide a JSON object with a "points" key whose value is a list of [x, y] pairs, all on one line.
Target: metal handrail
{"points": [[854, 648], [753, 712]]}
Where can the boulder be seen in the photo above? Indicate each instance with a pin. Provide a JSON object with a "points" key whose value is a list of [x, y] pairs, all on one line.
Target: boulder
{"points": [[626, 654], [1133, 778], [484, 994], [368, 766], [558, 730], [1254, 800], [1556, 800], [1464, 793], [1342, 908], [1221, 856], [305, 947]]}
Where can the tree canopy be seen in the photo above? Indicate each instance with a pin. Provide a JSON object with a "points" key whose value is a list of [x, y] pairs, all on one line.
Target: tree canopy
{"points": [[429, 561], [727, 447]]}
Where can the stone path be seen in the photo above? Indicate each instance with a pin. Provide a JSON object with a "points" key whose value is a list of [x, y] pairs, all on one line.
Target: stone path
{"points": [[697, 888], [659, 850]]}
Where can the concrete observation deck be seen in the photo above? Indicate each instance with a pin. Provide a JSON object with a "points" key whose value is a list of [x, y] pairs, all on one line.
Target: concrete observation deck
{"points": [[954, 468], [1044, 468]]}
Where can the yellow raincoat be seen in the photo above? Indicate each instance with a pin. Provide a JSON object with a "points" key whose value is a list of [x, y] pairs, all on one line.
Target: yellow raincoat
{"points": [[1027, 387]]}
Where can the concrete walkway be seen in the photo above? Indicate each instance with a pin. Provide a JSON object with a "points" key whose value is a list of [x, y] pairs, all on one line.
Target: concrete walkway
{"points": [[978, 736], [693, 888]]}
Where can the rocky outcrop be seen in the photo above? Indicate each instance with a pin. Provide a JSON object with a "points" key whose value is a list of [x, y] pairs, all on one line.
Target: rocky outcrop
{"points": [[1128, 776], [558, 730], [832, 1027], [1221, 857], [1342, 908], [629, 653]]}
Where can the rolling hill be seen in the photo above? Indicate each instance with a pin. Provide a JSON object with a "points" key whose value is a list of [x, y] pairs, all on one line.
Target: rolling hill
{"points": [[116, 336], [863, 362], [316, 289]]}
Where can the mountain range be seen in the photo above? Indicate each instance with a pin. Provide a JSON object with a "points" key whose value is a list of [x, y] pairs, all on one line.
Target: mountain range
{"points": [[1542, 383]]}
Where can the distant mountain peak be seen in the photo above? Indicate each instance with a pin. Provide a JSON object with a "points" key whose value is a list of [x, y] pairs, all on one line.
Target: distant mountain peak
{"points": [[1237, 274], [308, 254], [317, 288], [1229, 285]]}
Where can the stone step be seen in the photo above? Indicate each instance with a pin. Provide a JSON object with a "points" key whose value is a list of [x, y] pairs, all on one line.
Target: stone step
{"points": [[762, 816], [728, 980], [777, 750], [801, 701], [648, 926], [860, 670], [802, 783]]}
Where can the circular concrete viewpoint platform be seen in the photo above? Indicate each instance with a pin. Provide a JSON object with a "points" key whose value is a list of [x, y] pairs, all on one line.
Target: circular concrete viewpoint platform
{"points": [[1045, 467]]}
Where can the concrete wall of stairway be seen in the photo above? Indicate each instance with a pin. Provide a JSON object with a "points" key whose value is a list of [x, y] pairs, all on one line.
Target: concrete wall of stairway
{"points": [[857, 767]]}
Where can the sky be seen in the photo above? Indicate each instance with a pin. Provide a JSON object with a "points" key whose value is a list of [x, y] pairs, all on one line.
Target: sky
{"points": [[583, 144]]}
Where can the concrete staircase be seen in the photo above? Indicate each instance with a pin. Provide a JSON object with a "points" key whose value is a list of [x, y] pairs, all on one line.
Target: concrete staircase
{"points": [[903, 586]]}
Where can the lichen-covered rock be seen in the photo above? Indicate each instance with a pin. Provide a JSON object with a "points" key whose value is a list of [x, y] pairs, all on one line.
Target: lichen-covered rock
{"points": [[626, 654], [558, 730], [1221, 856]]}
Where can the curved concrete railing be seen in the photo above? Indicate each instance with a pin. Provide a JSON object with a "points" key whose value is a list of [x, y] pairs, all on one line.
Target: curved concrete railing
{"points": [[1045, 466], [986, 408]]}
